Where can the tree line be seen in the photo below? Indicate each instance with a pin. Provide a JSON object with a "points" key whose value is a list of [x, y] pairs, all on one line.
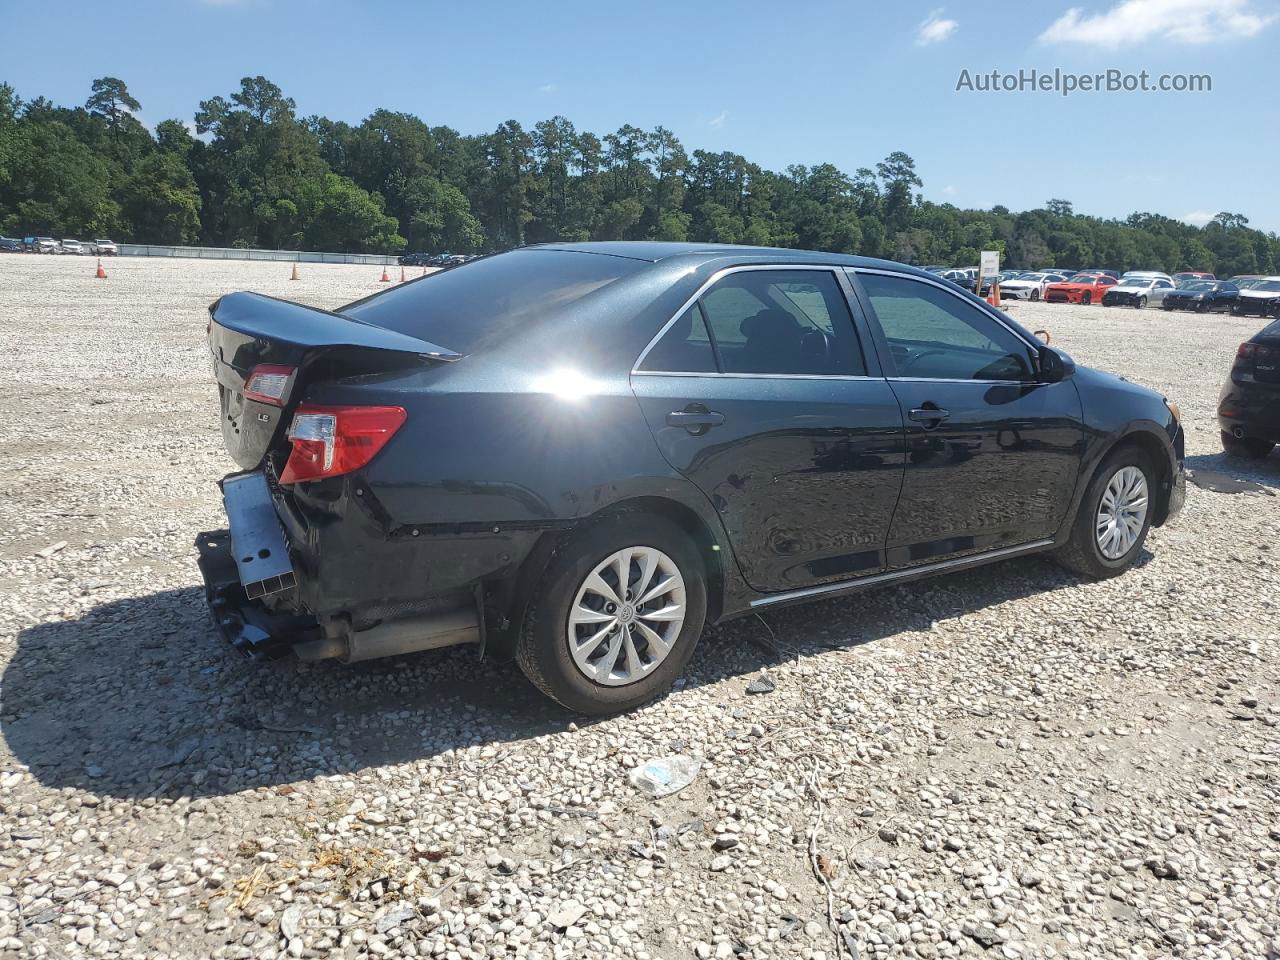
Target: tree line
{"points": [[249, 172]]}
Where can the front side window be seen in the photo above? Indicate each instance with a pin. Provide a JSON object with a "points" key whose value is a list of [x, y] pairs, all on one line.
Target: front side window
{"points": [[782, 322], [933, 334]]}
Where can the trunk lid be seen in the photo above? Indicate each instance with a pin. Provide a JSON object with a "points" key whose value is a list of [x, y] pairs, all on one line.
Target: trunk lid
{"points": [[250, 330]]}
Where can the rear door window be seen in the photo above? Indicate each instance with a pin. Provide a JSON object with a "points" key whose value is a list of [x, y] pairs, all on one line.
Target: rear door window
{"points": [[684, 348], [782, 322]]}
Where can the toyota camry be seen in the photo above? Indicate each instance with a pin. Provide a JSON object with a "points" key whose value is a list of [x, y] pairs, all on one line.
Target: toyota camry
{"points": [[580, 455]]}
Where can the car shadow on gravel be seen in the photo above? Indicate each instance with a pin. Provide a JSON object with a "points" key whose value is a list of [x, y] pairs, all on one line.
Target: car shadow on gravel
{"points": [[139, 697], [1219, 473]]}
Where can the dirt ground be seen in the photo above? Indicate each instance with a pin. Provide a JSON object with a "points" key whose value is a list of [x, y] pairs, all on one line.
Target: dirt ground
{"points": [[1010, 761]]}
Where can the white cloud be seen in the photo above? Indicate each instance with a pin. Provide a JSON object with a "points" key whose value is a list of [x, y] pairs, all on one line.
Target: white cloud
{"points": [[548, 88], [949, 190], [1197, 217], [718, 120], [935, 28], [1180, 21]]}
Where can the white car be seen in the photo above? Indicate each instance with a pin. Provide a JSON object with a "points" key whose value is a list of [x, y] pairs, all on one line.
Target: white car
{"points": [[1256, 296], [72, 246], [1138, 291], [1028, 286], [45, 245], [1153, 274], [106, 248]]}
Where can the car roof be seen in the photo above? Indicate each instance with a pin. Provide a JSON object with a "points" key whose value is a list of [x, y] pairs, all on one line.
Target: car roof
{"points": [[655, 251]]}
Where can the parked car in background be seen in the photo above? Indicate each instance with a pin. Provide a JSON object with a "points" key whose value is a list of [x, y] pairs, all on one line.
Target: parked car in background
{"points": [[1240, 278], [1187, 275], [1114, 274], [1154, 274], [1257, 296], [1028, 286], [105, 248], [1137, 292], [45, 245], [1203, 295], [630, 441], [961, 278], [1251, 396], [415, 259], [8, 245], [72, 247], [1083, 288]]}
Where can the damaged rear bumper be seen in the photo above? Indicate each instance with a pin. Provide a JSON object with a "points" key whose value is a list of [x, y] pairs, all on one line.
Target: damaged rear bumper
{"points": [[245, 623]]}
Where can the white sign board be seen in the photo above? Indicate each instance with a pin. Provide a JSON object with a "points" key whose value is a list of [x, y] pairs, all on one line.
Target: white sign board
{"points": [[990, 265]]}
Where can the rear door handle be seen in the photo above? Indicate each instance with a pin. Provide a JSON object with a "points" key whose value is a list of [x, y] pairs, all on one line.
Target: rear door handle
{"points": [[934, 415], [695, 418]]}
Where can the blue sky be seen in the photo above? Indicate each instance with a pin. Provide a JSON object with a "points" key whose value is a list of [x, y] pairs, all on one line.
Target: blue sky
{"points": [[845, 83]]}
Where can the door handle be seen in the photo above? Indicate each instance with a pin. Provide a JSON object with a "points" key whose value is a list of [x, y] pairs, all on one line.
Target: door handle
{"points": [[695, 418], [929, 415]]}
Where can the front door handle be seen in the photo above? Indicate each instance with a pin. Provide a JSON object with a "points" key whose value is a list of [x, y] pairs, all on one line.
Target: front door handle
{"points": [[929, 415], [695, 418]]}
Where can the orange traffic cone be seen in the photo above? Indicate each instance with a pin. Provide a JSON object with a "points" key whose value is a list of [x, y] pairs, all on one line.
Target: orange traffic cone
{"points": [[402, 276], [385, 277], [995, 296], [101, 274], [294, 275]]}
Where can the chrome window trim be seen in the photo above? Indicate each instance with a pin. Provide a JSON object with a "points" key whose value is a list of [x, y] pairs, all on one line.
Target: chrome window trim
{"points": [[849, 586], [989, 311], [832, 269], [754, 376]]}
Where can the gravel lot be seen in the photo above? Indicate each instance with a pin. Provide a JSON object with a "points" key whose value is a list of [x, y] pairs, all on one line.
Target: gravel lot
{"points": [[1008, 761]]}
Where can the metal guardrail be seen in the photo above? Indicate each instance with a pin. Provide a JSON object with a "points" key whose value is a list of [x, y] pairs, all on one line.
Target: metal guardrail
{"points": [[244, 253]]}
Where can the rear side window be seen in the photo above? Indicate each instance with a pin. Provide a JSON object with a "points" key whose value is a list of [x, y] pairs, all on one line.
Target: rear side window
{"points": [[782, 322], [484, 301], [684, 348]]}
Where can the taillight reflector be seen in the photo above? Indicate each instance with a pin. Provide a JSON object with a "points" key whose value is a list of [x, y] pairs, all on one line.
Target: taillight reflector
{"points": [[268, 383], [331, 441]]}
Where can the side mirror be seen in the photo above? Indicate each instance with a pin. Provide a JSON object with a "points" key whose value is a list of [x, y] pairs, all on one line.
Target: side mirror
{"points": [[1054, 365]]}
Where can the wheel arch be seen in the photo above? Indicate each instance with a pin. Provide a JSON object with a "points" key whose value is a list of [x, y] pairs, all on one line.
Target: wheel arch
{"points": [[1156, 447], [508, 602]]}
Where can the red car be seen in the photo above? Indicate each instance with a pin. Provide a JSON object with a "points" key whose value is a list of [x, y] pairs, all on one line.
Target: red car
{"points": [[1083, 288]]}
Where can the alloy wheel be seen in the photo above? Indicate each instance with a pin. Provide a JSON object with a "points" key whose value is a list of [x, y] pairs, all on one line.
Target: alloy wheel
{"points": [[1122, 512], [626, 616]]}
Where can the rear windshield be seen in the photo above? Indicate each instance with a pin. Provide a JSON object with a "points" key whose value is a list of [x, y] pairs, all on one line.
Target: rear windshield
{"points": [[481, 302]]}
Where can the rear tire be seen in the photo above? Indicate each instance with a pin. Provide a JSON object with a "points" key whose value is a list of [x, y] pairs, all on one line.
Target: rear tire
{"points": [[1083, 552], [1246, 448], [545, 651]]}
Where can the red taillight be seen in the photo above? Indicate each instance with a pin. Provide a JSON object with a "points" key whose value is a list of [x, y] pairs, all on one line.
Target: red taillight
{"points": [[1245, 351], [268, 383], [331, 441]]}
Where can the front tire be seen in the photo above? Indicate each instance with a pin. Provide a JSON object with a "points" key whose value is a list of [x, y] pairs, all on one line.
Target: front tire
{"points": [[1086, 299], [1114, 517], [617, 615], [1245, 448], [1142, 302], [1035, 295]]}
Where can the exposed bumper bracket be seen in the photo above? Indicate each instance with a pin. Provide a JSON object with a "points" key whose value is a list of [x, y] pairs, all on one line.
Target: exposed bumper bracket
{"points": [[248, 626]]}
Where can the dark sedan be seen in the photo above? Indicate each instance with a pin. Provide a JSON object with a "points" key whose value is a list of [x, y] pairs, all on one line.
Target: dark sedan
{"points": [[582, 454], [1202, 295], [1249, 406]]}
